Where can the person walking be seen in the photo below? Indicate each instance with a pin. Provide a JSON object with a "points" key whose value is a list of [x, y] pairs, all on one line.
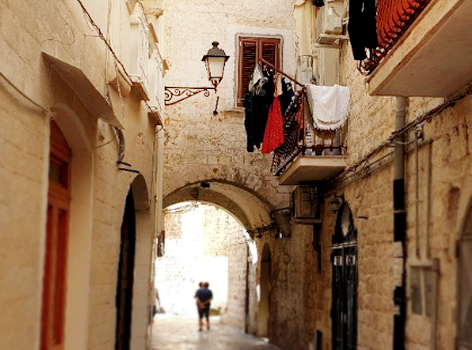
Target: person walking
{"points": [[204, 297]]}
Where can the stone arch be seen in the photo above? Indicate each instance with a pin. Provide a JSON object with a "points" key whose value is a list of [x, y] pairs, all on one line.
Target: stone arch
{"points": [[247, 206], [80, 222], [140, 193]]}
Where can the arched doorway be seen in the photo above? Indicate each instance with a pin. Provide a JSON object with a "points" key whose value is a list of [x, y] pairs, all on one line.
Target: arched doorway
{"points": [[465, 287], [344, 282], [124, 292], [264, 302]]}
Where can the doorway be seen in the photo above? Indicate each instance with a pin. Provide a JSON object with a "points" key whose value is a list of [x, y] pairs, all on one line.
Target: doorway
{"points": [[264, 303], [57, 236], [124, 293], [344, 282]]}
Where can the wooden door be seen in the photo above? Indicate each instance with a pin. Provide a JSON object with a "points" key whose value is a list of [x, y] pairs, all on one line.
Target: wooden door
{"points": [[57, 229]]}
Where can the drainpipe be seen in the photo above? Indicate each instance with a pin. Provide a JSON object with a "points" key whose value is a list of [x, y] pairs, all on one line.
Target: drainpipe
{"points": [[399, 229]]}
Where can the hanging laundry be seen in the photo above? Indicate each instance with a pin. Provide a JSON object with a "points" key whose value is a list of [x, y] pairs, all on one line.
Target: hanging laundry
{"points": [[362, 27], [293, 134], [287, 95], [329, 106], [257, 103], [274, 131]]}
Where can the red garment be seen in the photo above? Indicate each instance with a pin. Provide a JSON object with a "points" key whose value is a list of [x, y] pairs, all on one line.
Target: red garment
{"points": [[274, 131]]}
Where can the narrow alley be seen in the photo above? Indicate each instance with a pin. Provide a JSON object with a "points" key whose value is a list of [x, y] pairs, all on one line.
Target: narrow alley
{"points": [[298, 170], [181, 333]]}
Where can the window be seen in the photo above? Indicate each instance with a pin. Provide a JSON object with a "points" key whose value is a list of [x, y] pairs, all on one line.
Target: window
{"points": [[251, 50]]}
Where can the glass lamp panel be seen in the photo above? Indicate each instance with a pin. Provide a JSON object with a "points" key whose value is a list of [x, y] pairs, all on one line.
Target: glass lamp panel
{"points": [[215, 66]]}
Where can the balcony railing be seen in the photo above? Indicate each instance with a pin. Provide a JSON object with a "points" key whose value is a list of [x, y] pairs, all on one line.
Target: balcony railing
{"points": [[301, 139], [394, 17]]}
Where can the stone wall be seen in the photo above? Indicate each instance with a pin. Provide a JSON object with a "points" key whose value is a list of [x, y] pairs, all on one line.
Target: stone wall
{"points": [[99, 189], [202, 146], [370, 199]]}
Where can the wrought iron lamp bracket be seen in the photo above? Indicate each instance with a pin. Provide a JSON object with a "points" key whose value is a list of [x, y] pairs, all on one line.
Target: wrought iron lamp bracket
{"points": [[175, 94]]}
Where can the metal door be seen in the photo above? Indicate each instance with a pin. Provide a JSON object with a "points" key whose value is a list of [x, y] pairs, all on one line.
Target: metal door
{"points": [[344, 283]]}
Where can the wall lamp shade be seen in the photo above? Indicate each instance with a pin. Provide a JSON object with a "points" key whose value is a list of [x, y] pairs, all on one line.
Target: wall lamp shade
{"points": [[336, 203], [215, 61]]}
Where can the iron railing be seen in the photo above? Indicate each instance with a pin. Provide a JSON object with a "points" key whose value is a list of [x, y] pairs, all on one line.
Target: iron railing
{"points": [[394, 17], [302, 139]]}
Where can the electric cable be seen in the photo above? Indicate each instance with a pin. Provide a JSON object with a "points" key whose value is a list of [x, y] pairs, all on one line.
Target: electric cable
{"points": [[44, 109]]}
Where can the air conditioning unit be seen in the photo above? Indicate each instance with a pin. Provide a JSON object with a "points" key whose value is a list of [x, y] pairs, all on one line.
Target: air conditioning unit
{"points": [[329, 23], [307, 202]]}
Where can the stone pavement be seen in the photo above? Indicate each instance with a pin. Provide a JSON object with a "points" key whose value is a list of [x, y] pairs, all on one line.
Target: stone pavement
{"points": [[177, 333]]}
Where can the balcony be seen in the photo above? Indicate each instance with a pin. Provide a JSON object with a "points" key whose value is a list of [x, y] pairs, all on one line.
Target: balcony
{"points": [[425, 48], [314, 157]]}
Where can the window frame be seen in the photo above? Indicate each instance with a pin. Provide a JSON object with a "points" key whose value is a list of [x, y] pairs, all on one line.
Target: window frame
{"points": [[259, 40]]}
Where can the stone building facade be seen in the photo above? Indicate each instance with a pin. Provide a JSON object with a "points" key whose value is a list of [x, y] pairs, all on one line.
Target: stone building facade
{"points": [[203, 148], [77, 140], [83, 153]]}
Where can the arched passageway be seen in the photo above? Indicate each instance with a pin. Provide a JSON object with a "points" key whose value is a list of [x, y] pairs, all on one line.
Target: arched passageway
{"points": [[248, 279], [204, 243]]}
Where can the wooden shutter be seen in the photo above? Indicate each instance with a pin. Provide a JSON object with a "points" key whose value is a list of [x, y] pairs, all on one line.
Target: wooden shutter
{"points": [[247, 63], [251, 50], [270, 51]]}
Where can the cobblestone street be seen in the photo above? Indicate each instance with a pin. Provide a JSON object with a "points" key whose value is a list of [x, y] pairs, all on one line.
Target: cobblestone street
{"points": [[173, 333]]}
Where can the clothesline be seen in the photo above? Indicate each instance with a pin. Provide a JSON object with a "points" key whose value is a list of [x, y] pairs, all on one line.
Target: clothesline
{"points": [[280, 72]]}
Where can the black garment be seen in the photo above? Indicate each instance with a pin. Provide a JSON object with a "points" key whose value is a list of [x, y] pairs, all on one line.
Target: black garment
{"points": [[257, 111], [287, 95], [362, 27]]}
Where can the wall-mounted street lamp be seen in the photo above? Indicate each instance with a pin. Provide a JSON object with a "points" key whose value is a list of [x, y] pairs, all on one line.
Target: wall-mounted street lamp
{"points": [[215, 61]]}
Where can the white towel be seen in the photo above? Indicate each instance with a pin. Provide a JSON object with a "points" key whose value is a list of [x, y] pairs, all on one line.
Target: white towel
{"points": [[329, 106]]}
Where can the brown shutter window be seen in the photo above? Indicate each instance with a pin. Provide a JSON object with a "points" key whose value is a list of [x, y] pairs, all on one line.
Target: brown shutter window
{"points": [[251, 50]]}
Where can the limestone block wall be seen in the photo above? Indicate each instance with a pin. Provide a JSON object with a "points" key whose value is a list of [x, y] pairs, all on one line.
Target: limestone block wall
{"points": [[99, 189], [443, 203]]}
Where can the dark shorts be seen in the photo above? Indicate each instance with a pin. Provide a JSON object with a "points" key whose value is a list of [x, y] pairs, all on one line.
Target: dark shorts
{"points": [[205, 312]]}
